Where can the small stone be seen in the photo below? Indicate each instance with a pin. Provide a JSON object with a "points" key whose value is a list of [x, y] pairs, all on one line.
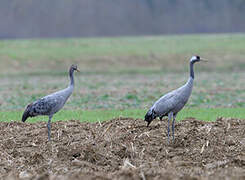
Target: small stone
{"points": [[24, 174], [230, 141]]}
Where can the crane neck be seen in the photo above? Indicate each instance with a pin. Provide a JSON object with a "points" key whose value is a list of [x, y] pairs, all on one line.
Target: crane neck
{"points": [[71, 77], [192, 70]]}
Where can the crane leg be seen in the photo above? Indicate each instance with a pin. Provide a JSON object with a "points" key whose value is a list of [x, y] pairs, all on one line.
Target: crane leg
{"points": [[49, 126], [173, 125], [170, 115]]}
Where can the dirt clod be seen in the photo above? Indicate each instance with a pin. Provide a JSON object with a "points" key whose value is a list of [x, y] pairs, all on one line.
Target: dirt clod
{"points": [[123, 149]]}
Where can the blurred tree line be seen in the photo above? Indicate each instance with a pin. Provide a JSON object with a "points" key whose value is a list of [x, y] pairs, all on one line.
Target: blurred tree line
{"points": [[71, 18]]}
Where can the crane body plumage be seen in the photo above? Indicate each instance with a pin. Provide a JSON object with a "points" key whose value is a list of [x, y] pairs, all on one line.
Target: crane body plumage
{"points": [[50, 104], [171, 103]]}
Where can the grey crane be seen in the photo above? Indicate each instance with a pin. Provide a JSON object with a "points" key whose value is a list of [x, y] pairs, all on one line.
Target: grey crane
{"points": [[52, 103], [171, 103]]}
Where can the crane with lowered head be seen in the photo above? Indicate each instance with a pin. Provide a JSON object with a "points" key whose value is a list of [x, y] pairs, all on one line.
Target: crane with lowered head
{"points": [[171, 103]]}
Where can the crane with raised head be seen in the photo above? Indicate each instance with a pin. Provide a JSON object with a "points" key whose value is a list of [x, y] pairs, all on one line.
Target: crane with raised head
{"points": [[171, 103], [52, 103]]}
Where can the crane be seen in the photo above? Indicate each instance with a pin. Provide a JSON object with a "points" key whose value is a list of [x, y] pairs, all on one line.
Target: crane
{"points": [[171, 103], [51, 103]]}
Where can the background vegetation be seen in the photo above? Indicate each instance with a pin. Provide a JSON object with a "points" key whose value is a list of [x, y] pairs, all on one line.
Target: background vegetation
{"points": [[127, 73], [76, 18]]}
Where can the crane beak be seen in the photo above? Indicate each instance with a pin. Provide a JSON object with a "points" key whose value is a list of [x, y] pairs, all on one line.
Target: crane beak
{"points": [[77, 70], [204, 60]]}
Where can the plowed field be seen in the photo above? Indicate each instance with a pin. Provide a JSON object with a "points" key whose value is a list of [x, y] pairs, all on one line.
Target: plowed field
{"points": [[123, 149]]}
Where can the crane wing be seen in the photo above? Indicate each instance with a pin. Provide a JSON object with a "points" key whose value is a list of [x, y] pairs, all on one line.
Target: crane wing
{"points": [[42, 106], [173, 101], [165, 104], [45, 106]]}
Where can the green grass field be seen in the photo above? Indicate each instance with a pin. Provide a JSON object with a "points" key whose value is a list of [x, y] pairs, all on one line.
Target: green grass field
{"points": [[123, 76], [101, 115]]}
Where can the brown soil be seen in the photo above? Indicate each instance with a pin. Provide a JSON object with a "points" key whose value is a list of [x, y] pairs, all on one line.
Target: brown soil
{"points": [[123, 149]]}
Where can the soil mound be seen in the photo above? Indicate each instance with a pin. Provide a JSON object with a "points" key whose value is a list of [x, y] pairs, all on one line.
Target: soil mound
{"points": [[123, 148]]}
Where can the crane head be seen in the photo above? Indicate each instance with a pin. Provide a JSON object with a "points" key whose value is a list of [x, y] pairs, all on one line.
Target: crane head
{"points": [[150, 116], [74, 68], [26, 113], [196, 59]]}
